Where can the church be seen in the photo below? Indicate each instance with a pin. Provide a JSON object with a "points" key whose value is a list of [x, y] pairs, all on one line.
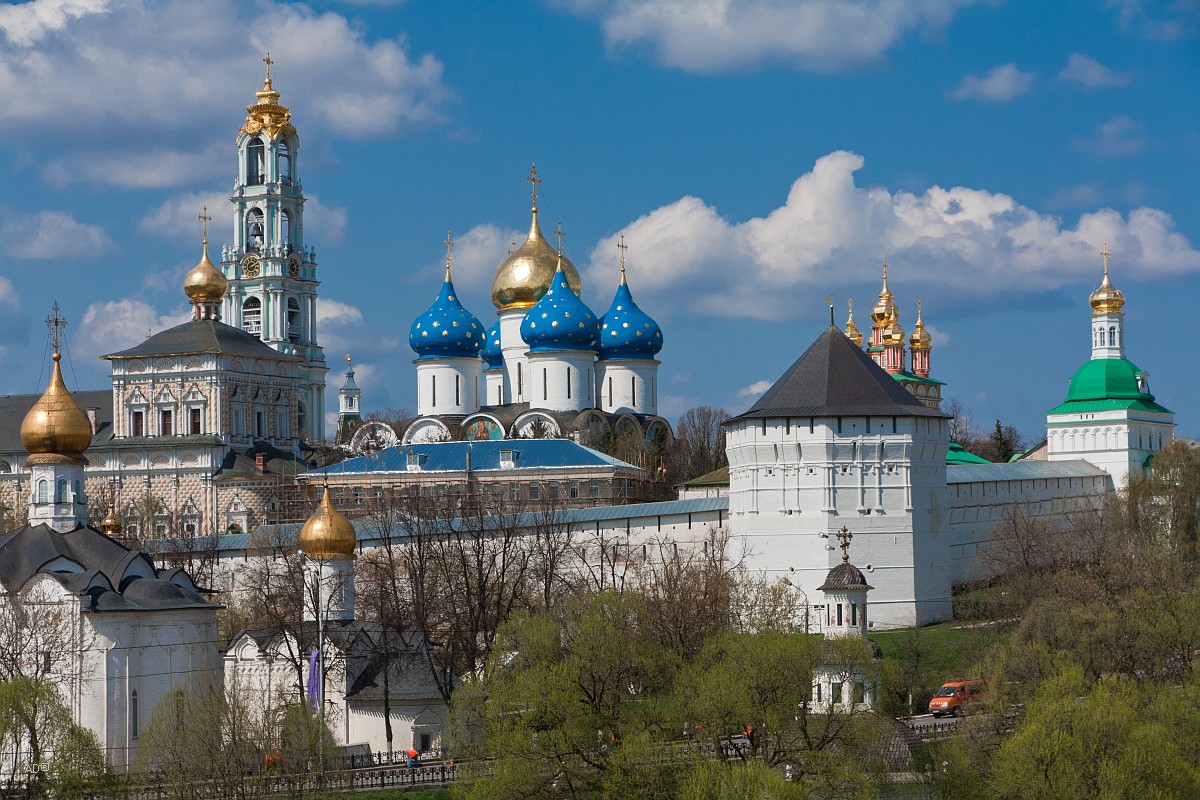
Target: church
{"points": [[203, 421]]}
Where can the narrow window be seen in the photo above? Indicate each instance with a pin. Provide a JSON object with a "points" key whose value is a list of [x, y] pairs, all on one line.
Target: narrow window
{"points": [[868, 424], [285, 223], [457, 390], [43, 491], [194, 421], [293, 320], [893, 424], [260, 424], [839, 419], [254, 162], [764, 426], [545, 385], [633, 390], [252, 315], [812, 421], [284, 161], [60, 494], [839, 613], [568, 383], [610, 402], [591, 384], [138, 424], [165, 423], [133, 714], [433, 390], [254, 230], [854, 613], [787, 426], [520, 381]]}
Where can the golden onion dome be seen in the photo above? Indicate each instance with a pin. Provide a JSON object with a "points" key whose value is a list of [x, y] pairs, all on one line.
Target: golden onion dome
{"points": [[526, 274], [327, 534], [894, 333], [884, 311], [852, 331], [1107, 299], [920, 339], [205, 283], [56, 428], [111, 524]]}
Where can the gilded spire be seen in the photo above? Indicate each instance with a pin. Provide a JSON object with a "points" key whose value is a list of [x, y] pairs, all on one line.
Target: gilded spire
{"points": [[920, 339], [1107, 299], [852, 331], [622, 247], [266, 114], [56, 429], [884, 311], [449, 246]]}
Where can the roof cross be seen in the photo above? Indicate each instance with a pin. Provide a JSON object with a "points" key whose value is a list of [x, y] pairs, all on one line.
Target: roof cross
{"points": [[204, 220], [267, 60], [622, 247], [449, 242], [1104, 252], [534, 180], [844, 536], [559, 234], [56, 322]]}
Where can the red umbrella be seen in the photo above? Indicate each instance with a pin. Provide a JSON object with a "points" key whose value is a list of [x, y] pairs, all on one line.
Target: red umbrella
{"points": [[412, 753]]}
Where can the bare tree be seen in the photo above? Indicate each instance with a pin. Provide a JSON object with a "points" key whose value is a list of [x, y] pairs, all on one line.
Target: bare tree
{"points": [[699, 443]]}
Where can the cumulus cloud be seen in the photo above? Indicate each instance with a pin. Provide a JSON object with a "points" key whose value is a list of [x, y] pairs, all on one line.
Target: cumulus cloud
{"points": [[177, 218], [830, 235], [147, 95], [1000, 84], [1161, 21], [708, 36], [754, 389], [1120, 137], [113, 325], [50, 235], [13, 327], [1091, 73]]}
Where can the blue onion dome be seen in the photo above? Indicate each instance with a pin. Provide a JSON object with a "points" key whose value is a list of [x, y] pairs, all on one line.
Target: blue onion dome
{"points": [[626, 331], [493, 356], [560, 320], [446, 330]]}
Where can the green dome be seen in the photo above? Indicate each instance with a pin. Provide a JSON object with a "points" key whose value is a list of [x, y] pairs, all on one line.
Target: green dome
{"points": [[1106, 383]]}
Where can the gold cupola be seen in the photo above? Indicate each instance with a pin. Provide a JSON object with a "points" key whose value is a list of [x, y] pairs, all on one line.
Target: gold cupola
{"points": [[884, 311], [1107, 299], [525, 275], [852, 331], [266, 114], [56, 430], [205, 284], [327, 534], [920, 339]]}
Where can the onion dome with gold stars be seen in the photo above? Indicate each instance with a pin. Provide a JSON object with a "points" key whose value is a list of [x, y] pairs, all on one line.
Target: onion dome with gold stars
{"points": [[625, 330], [493, 356], [560, 320], [56, 429], [446, 330], [1107, 299], [920, 339], [525, 275], [852, 331], [327, 534]]}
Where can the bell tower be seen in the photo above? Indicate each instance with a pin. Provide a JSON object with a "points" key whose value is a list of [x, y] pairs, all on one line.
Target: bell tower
{"points": [[272, 273]]}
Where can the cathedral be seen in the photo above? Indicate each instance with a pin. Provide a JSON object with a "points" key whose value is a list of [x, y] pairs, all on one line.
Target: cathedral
{"points": [[204, 420], [548, 367]]}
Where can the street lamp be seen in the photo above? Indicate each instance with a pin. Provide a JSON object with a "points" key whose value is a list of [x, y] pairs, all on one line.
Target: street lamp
{"points": [[803, 594]]}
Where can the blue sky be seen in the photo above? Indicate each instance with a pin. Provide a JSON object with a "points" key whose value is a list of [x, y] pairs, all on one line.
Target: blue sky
{"points": [[757, 156]]}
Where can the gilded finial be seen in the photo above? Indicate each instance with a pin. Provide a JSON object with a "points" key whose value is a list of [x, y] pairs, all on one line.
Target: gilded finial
{"points": [[267, 60], [56, 322], [622, 247], [1107, 299], [534, 180], [844, 536], [885, 272], [1104, 252], [852, 331], [349, 361], [204, 220], [449, 246]]}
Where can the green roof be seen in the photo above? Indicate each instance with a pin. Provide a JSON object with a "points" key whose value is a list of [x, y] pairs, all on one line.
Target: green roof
{"points": [[1106, 384], [956, 455], [909, 376], [718, 477]]}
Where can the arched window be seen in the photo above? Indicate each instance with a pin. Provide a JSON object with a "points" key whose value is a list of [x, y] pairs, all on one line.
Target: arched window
{"points": [[254, 162], [293, 320], [285, 232], [43, 491], [60, 491], [1112, 337], [254, 230], [284, 162], [252, 315], [5, 466]]}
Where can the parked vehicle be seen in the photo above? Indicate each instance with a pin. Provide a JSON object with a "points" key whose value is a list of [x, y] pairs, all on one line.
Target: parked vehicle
{"points": [[956, 696]]}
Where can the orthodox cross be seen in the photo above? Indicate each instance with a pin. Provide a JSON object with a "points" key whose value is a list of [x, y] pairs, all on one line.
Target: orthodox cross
{"points": [[1104, 252], [850, 302], [204, 220], [622, 247], [56, 322], [534, 180], [885, 269], [559, 234], [918, 309], [512, 246], [267, 60], [844, 536], [449, 242]]}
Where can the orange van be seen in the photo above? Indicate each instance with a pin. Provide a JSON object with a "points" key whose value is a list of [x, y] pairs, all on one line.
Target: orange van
{"points": [[955, 696]]}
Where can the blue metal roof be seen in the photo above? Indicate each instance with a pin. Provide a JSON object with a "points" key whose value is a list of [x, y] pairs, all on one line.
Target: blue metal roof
{"points": [[485, 455], [1020, 471]]}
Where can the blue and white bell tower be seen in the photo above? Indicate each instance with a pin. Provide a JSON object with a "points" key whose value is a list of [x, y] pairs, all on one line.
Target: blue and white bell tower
{"points": [[272, 274]]}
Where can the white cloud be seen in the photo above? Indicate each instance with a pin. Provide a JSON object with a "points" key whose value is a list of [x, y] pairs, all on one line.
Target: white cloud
{"points": [[334, 312], [1000, 84], [1091, 73], [755, 389], [830, 235], [142, 96], [1120, 137], [1156, 20], [49, 235], [114, 325], [14, 328], [177, 218], [708, 36]]}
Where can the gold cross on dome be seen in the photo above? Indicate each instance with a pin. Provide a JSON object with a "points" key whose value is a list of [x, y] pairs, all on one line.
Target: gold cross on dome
{"points": [[885, 269], [204, 220], [534, 180], [559, 234], [56, 322], [1104, 252], [267, 60], [844, 536]]}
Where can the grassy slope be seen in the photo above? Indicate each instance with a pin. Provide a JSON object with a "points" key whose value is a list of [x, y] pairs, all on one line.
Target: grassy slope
{"points": [[936, 653]]}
